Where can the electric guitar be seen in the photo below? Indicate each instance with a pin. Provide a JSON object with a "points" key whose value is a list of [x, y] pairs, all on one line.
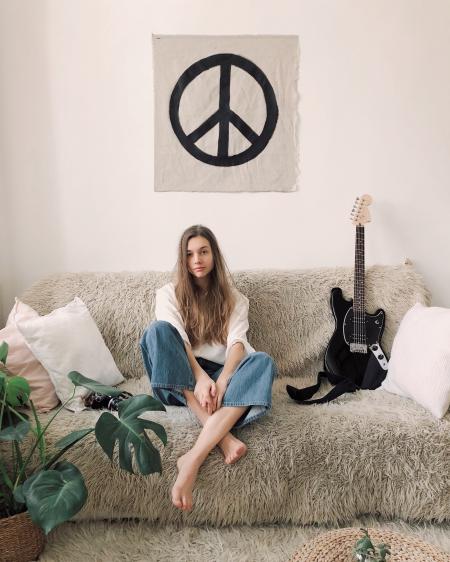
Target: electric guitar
{"points": [[354, 358]]}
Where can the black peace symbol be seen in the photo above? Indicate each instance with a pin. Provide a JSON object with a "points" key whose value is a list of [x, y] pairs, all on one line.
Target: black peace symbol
{"points": [[224, 115]]}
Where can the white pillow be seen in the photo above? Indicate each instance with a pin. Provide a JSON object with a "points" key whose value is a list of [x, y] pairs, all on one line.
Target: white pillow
{"points": [[67, 340], [419, 367]]}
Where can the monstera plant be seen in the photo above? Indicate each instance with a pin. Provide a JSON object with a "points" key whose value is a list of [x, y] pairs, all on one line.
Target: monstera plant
{"points": [[34, 475]]}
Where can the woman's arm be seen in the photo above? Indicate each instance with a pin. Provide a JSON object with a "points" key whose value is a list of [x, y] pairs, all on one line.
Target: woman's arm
{"points": [[235, 356], [205, 387], [196, 369], [166, 308]]}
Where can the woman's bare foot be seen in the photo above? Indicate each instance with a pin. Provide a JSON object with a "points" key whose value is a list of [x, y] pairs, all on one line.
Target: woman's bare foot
{"points": [[232, 448], [188, 467]]}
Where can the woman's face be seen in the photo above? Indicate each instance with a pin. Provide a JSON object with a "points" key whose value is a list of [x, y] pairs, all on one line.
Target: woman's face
{"points": [[200, 261]]}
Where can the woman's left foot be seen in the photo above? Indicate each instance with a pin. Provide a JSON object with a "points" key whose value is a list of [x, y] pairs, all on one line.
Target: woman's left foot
{"points": [[188, 467]]}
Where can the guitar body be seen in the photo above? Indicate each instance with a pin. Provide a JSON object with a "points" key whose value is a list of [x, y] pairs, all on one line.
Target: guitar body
{"points": [[366, 369]]}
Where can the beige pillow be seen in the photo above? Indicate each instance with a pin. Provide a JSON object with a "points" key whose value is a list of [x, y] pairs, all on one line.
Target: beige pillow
{"points": [[21, 360]]}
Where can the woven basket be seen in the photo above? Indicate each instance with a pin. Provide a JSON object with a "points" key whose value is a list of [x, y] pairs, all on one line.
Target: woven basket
{"points": [[21, 540], [338, 545]]}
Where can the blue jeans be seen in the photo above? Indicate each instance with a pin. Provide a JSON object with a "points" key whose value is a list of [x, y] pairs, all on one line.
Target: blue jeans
{"points": [[170, 373]]}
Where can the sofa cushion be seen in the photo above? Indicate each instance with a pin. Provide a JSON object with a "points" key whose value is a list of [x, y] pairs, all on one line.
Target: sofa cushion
{"points": [[290, 316], [368, 452]]}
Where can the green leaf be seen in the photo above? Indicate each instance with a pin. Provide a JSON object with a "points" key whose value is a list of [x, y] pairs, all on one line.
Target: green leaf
{"points": [[129, 430], [18, 492], [17, 390], [54, 496], [66, 442], [73, 438], [15, 432], [40, 435], [3, 352], [144, 402], [12, 417], [79, 380], [158, 429], [5, 476], [364, 545]]}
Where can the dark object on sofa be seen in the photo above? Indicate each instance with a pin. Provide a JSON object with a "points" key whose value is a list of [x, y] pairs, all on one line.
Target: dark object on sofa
{"points": [[98, 401]]}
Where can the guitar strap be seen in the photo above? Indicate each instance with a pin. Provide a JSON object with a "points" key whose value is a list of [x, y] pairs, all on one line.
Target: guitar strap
{"points": [[302, 396]]}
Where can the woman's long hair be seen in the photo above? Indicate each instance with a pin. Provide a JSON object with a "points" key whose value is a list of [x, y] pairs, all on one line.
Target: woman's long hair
{"points": [[205, 314]]}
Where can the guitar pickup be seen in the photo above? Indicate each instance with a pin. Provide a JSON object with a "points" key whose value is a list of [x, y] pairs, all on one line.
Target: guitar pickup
{"points": [[358, 348]]}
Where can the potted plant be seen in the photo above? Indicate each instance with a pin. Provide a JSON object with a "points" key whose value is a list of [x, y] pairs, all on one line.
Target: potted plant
{"points": [[34, 477], [366, 551]]}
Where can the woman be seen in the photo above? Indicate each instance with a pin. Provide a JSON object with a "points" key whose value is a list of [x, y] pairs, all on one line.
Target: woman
{"points": [[196, 353]]}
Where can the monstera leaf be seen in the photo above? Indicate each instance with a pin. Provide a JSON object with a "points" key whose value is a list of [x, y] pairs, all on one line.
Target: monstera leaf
{"points": [[80, 380], [129, 430], [66, 443], [73, 438], [54, 496], [15, 432], [3, 352], [17, 390]]}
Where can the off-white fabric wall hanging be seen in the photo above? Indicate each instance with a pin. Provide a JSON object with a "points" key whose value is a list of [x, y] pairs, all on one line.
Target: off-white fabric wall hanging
{"points": [[226, 113]]}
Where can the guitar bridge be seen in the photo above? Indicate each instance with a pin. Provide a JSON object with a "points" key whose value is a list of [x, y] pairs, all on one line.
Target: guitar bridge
{"points": [[358, 348]]}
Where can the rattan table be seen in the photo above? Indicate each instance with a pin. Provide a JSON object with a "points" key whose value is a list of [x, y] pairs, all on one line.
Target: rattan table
{"points": [[337, 546]]}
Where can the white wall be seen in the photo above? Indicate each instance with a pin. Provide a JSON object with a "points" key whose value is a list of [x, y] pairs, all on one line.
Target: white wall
{"points": [[76, 138]]}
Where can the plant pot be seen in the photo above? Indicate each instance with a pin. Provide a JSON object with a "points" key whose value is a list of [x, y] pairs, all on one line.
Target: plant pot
{"points": [[21, 540]]}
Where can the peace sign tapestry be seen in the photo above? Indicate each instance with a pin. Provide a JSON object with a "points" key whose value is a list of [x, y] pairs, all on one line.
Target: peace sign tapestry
{"points": [[226, 112]]}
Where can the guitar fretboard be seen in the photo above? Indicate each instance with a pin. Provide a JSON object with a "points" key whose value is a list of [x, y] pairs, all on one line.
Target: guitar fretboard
{"points": [[358, 294], [359, 324]]}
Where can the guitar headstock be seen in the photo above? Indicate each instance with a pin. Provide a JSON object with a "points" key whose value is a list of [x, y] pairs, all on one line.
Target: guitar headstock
{"points": [[360, 214]]}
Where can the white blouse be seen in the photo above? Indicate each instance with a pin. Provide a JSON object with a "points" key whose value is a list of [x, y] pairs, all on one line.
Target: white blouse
{"points": [[166, 308]]}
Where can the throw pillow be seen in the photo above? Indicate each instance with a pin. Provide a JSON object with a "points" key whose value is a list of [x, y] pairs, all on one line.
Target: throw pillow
{"points": [[67, 340], [21, 361], [419, 367]]}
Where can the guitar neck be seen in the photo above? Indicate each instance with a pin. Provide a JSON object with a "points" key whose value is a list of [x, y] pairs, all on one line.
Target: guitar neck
{"points": [[358, 291]]}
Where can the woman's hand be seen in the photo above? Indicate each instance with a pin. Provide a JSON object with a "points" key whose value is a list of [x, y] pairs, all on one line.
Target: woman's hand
{"points": [[221, 387], [205, 392]]}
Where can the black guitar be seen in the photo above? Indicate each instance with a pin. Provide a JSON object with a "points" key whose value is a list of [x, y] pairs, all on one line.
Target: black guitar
{"points": [[354, 358]]}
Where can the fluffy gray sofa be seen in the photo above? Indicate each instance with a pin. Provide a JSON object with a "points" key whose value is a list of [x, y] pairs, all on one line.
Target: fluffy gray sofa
{"points": [[368, 452]]}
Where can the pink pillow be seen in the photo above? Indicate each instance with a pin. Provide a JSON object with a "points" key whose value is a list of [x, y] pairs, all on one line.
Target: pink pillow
{"points": [[22, 362]]}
